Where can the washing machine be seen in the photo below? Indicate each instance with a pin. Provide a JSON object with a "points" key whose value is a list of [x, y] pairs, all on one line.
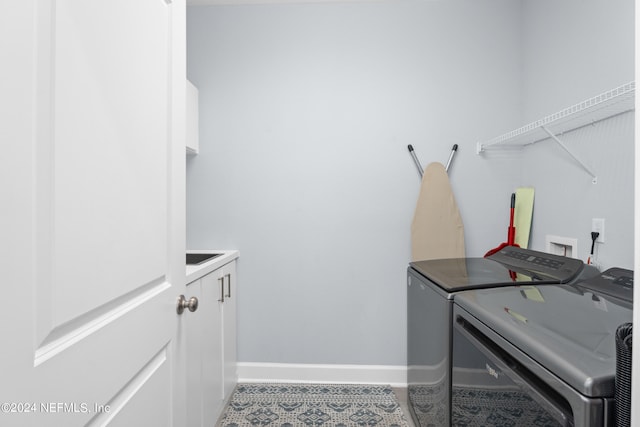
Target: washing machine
{"points": [[539, 355], [431, 286]]}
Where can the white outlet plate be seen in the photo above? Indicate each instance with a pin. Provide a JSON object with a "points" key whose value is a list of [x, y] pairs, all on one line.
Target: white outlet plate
{"points": [[597, 224]]}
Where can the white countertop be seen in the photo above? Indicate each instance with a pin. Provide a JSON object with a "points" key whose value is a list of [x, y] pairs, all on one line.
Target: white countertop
{"points": [[195, 272]]}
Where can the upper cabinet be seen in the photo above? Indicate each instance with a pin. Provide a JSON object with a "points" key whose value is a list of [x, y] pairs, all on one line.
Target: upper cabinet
{"points": [[192, 119]]}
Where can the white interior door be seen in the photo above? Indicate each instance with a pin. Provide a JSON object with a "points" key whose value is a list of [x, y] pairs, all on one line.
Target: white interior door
{"points": [[92, 226]]}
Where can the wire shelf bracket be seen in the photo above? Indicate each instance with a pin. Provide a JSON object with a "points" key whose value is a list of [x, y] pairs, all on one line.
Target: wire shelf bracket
{"points": [[589, 112], [565, 148]]}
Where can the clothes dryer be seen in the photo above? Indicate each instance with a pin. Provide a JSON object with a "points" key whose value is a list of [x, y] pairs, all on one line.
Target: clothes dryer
{"points": [[539, 355], [431, 286]]}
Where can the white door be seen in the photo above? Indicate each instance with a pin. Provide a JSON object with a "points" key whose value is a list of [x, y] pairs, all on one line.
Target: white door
{"points": [[92, 218]]}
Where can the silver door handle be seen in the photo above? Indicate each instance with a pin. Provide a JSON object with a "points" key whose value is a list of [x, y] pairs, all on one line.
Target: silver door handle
{"points": [[191, 304]]}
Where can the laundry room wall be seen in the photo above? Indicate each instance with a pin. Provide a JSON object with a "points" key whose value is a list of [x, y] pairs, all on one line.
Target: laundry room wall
{"points": [[572, 51], [306, 111]]}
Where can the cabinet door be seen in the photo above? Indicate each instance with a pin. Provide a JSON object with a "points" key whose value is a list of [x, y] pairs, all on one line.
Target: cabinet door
{"points": [[194, 334], [230, 376], [211, 348], [204, 352]]}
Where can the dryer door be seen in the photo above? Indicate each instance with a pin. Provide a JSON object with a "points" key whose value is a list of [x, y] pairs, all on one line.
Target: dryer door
{"points": [[489, 387]]}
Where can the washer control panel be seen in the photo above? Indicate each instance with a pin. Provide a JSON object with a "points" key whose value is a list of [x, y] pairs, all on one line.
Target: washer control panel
{"points": [[528, 261], [615, 282]]}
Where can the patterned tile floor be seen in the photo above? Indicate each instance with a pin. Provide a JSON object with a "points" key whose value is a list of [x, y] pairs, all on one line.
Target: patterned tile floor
{"points": [[403, 396], [339, 405]]}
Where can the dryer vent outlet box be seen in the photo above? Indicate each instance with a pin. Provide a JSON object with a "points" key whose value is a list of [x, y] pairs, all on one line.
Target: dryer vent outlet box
{"points": [[563, 246]]}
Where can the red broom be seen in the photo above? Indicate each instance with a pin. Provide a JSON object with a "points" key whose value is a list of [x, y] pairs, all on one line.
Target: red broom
{"points": [[511, 232]]}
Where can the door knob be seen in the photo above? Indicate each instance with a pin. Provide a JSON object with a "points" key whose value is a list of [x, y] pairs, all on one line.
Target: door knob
{"points": [[191, 304]]}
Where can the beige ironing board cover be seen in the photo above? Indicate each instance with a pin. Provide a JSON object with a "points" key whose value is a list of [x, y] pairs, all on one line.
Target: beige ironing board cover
{"points": [[436, 230]]}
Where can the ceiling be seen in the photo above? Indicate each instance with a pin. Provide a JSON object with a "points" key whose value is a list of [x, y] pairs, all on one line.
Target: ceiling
{"points": [[228, 2]]}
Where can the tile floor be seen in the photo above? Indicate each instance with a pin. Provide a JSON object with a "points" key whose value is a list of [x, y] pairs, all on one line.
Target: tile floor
{"points": [[402, 396]]}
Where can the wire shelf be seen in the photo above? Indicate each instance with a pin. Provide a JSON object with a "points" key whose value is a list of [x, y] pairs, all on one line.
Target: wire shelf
{"points": [[601, 107]]}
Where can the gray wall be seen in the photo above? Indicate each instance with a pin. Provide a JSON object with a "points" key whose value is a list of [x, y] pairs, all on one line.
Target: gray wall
{"points": [[576, 49], [305, 115]]}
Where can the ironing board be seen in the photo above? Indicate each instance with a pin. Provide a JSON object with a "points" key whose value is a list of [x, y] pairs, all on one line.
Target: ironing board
{"points": [[436, 230]]}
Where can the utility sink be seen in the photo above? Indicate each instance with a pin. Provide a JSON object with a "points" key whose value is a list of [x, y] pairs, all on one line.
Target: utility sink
{"points": [[194, 259]]}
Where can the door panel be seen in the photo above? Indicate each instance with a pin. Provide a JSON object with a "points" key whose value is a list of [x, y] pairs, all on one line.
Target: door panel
{"points": [[110, 99], [140, 396], [93, 231]]}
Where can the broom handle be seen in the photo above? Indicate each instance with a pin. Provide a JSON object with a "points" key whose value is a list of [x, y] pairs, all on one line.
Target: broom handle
{"points": [[511, 237]]}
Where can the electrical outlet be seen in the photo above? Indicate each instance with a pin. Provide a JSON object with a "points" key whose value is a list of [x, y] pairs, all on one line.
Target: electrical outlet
{"points": [[597, 224]]}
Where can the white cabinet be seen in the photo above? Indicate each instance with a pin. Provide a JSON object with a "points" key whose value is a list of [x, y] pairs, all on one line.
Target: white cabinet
{"points": [[192, 120], [211, 345]]}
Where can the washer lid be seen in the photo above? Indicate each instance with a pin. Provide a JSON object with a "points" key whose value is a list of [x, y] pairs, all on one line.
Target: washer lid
{"points": [[457, 274], [568, 329], [511, 265]]}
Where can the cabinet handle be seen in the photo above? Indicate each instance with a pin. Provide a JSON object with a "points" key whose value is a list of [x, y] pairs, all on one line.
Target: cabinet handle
{"points": [[221, 280], [228, 276]]}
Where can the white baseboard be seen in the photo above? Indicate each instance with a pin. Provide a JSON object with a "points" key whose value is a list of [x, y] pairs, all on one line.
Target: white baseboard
{"points": [[250, 372]]}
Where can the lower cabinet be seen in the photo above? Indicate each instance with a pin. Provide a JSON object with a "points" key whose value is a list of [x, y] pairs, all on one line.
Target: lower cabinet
{"points": [[211, 345]]}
